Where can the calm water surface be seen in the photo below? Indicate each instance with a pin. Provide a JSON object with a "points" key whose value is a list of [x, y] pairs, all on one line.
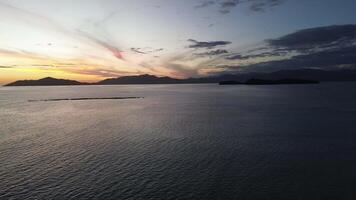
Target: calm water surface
{"points": [[179, 142]]}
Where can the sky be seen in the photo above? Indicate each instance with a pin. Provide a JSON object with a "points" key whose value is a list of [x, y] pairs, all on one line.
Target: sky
{"points": [[91, 40]]}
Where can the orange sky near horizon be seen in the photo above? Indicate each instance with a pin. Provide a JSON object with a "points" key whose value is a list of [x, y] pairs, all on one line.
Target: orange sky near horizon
{"points": [[9, 75]]}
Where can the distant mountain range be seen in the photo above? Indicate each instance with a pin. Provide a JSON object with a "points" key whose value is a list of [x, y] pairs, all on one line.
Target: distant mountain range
{"points": [[305, 74], [140, 79]]}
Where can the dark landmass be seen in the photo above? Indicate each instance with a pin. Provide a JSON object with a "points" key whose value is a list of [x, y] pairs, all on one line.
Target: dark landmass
{"points": [[254, 81], [45, 82], [308, 74], [300, 74], [278, 82], [303, 74], [140, 79], [84, 99], [230, 83]]}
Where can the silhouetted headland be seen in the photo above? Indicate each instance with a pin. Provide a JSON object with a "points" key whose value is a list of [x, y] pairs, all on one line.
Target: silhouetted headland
{"points": [[279, 77], [48, 81]]}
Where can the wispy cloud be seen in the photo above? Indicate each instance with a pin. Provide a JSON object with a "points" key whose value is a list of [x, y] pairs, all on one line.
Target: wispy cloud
{"points": [[111, 48], [31, 61], [17, 53], [239, 56], [42, 22], [212, 53], [99, 71], [146, 50]]}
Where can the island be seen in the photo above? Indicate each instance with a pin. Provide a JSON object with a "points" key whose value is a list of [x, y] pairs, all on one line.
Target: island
{"points": [[230, 83], [48, 81], [269, 82], [279, 81]]}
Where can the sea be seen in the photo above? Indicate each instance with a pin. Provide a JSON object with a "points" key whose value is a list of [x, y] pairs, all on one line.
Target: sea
{"points": [[199, 141]]}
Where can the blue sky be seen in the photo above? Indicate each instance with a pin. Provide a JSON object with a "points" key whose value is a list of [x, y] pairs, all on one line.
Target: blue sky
{"points": [[96, 39]]}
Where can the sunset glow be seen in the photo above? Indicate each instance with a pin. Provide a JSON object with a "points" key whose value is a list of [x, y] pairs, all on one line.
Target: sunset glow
{"points": [[93, 40]]}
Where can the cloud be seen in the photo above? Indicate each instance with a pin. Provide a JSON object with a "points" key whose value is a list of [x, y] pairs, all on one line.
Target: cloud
{"points": [[229, 3], [330, 59], [328, 47], [101, 71], [30, 18], [182, 71], [111, 48], [319, 37], [303, 42], [257, 6], [106, 18], [208, 45], [137, 50], [17, 53], [146, 50], [204, 4], [24, 16], [213, 53], [114, 50], [30, 60], [226, 6], [259, 55], [261, 5]]}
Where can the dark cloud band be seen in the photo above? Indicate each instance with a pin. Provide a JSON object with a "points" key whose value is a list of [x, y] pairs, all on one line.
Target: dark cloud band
{"points": [[329, 47], [226, 6], [317, 37], [209, 45]]}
